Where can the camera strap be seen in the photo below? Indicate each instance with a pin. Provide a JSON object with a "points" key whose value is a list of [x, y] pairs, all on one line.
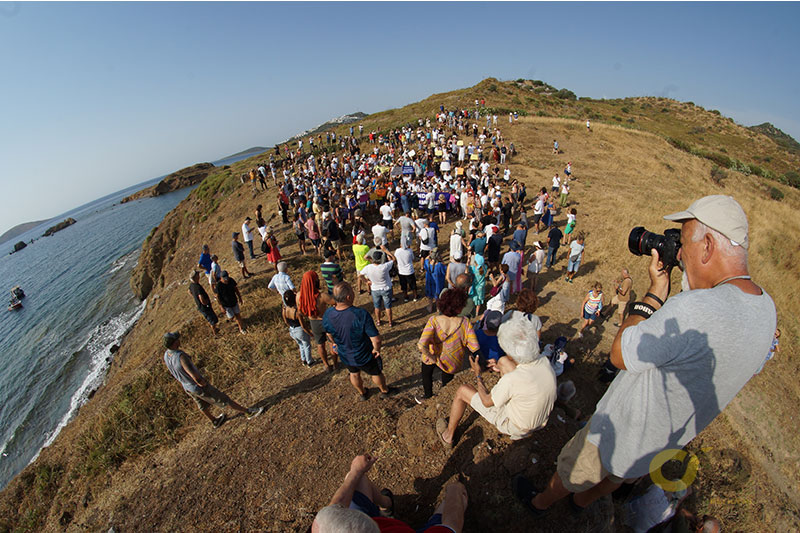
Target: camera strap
{"points": [[726, 280]]}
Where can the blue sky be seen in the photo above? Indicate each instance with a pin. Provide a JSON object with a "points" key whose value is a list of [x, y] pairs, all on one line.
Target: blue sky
{"points": [[96, 97]]}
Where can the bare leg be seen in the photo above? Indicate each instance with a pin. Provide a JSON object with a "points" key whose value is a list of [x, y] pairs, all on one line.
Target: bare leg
{"points": [[555, 491], [207, 411], [380, 381], [389, 312], [463, 396], [238, 318], [378, 316], [586, 498], [366, 487], [453, 506], [323, 354], [355, 380]]}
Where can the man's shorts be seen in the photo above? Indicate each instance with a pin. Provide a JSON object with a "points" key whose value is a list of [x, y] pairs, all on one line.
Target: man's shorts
{"points": [[319, 334], [573, 266], [537, 218], [361, 502], [387, 223], [316, 242], [424, 253], [579, 465], [373, 368], [336, 244], [209, 314], [384, 296], [616, 301], [231, 312], [408, 282], [497, 417], [210, 396]]}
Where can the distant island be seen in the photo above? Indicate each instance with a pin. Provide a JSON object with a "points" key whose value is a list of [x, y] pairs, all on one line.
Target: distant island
{"points": [[58, 227], [254, 150], [186, 177], [19, 230]]}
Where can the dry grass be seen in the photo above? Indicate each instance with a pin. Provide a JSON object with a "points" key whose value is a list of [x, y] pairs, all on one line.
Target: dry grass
{"points": [[625, 177]]}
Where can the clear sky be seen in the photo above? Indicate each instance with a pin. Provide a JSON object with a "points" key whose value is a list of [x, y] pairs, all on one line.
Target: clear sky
{"points": [[95, 97]]}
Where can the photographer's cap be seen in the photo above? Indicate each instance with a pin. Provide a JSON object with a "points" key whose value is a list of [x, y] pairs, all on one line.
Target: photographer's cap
{"points": [[718, 212]]}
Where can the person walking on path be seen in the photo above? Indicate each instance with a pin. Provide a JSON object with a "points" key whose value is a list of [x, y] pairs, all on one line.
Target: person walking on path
{"points": [[299, 329], [312, 304], [445, 340], [357, 339], [197, 386], [238, 254]]}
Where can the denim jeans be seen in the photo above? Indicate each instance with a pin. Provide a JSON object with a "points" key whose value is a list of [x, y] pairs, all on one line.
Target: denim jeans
{"points": [[302, 339], [551, 256]]}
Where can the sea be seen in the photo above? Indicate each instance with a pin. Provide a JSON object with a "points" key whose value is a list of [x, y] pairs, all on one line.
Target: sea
{"points": [[56, 349]]}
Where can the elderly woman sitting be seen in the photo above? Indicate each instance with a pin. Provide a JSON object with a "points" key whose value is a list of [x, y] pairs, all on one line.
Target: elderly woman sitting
{"points": [[521, 400]]}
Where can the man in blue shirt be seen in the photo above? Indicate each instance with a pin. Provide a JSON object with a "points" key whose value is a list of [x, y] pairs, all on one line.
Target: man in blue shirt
{"points": [[357, 339], [487, 335]]}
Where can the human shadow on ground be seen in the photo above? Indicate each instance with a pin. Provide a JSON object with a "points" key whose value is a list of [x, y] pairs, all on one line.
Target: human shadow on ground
{"points": [[309, 384]]}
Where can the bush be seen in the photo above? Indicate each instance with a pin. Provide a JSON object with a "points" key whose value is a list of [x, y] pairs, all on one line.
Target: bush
{"points": [[492, 88], [665, 110], [715, 112], [624, 109], [631, 120], [565, 94], [775, 193], [718, 175], [792, 179], [697, 130], [615, 117]]}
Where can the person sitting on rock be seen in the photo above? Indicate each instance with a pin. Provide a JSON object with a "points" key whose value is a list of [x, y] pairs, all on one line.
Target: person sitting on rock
{"points": [[521, 400], [359, 507]]}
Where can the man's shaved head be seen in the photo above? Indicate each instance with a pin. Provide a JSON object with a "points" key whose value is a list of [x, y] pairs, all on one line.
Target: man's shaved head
{"points": [[342, 292]]}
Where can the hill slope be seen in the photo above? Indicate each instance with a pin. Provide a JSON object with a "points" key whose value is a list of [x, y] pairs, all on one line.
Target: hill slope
{"points": [[139, 455], [19, 229]]}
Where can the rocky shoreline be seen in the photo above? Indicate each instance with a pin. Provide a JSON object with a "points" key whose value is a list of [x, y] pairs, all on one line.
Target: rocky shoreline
{"points": [[186, 177]]}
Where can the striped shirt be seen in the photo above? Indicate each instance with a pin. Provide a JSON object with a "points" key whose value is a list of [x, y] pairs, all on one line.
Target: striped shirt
{"points": [[594, 303]]}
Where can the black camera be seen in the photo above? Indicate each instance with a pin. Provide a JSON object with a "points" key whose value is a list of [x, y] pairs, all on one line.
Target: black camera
{"points": [[641, 241]]}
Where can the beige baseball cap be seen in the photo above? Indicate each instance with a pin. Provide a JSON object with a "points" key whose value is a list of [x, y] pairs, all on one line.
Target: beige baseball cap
{"points": [[718, 212]]}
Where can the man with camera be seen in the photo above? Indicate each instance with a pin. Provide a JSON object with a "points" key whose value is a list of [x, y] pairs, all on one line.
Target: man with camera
{"points": [[681, 360]]}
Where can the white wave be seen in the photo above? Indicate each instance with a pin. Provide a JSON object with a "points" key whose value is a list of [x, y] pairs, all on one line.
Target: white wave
{"points": [[125, 260], [101, 339]]}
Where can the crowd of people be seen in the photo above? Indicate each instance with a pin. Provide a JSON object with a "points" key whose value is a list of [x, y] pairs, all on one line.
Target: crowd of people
{"points": [[380, 203]]}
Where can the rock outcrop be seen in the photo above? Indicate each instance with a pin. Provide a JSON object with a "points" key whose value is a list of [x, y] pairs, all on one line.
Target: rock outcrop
{"points": [[185, 177], [157, 251], [58, 227]]}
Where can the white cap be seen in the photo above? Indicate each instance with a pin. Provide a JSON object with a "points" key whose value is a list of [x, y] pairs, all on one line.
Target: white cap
{"points": [[718, 212]]}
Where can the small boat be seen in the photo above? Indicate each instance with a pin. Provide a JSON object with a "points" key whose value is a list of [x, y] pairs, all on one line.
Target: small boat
{"points": [[18, 293], [14, 304]]}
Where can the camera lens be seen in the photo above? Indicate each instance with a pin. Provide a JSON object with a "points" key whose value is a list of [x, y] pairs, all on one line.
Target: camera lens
{"points": [[635, 240]]}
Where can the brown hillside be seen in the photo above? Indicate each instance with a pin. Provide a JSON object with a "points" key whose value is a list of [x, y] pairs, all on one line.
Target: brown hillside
{"points": [[140, 457]]}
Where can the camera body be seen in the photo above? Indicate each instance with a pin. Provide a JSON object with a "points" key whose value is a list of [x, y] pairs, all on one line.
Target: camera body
{"points": [[641, 241]]}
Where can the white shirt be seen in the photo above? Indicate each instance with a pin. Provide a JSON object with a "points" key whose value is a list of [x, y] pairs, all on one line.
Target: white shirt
{"points": [[386, 212], [378, 230], [378, 275], [556, 182], [425, 233], [538, 209], [405, 261], [455, 246], [247, 233]]}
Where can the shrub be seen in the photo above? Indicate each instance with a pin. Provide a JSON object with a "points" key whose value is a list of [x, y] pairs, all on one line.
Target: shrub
{"points": [[624, 109], [615, 117], [775, 193], [541, 114], [631, 120], [665, 110], [715, 112], [791, 178], [697, 130], [492, 88], [566, 94], [718, 175]]}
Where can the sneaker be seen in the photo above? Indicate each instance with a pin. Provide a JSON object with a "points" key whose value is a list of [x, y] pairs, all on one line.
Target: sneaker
{"points": [[253, 412], [389, 392], [365, 396], [219, 420]]}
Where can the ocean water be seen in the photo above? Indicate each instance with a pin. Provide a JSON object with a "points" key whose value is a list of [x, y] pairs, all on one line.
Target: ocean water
{"points": [[55, 350]]}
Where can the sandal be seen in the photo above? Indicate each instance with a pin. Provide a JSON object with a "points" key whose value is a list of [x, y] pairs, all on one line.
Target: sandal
{"points": [[524, 491], [388, 512], [441, 427]]}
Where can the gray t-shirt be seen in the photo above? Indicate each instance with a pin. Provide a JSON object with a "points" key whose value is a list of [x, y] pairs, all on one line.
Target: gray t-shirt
{"points": [[172, 358], [684, 365]]}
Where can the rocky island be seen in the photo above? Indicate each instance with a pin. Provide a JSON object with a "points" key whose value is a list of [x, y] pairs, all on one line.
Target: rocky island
{"points": [[185, 177], [58, 227]]}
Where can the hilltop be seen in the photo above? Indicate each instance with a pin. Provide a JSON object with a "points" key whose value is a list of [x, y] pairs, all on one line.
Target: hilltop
{"points": [[140, 457], [19, 229]]}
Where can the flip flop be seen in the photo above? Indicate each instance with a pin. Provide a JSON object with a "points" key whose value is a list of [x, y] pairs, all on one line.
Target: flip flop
{"points": [[441, 427]]}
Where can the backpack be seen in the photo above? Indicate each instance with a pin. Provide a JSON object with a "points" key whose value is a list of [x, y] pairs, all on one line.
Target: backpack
{"points": [[326, 228], [265, 247]]}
